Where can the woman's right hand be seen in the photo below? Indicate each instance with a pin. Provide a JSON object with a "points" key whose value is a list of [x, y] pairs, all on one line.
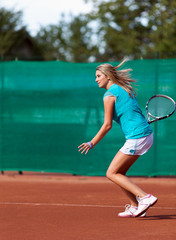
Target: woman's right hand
{"points": [[85, 147]]}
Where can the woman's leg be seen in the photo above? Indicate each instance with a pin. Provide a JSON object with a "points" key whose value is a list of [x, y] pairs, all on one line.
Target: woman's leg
{"points": [[132, 197], [116, 173]]}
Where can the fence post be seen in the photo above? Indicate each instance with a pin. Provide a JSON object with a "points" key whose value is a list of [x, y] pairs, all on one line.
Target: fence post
{"points": [[156, 123], [1, 111]]}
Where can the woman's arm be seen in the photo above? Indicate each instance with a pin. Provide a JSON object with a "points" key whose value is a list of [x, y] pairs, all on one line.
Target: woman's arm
{"points": [[108, 109]]}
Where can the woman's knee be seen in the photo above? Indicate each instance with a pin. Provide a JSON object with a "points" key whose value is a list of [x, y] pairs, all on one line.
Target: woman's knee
{"points": [[114, 176], [110, 174]]}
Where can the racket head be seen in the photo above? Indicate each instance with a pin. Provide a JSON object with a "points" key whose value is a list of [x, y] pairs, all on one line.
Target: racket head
{"points": [[160, 107]]}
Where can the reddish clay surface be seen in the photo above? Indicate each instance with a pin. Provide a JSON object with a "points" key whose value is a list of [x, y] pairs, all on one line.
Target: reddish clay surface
{"points": [[53, 207]]}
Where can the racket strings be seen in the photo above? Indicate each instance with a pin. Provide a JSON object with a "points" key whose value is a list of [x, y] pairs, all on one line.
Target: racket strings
{"points": [[160, 107]]}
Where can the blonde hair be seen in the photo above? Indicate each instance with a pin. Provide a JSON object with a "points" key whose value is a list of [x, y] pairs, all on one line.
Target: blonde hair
{"points": [[119, 77]]}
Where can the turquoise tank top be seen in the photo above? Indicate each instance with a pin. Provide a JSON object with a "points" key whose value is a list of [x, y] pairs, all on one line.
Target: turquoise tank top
{"points": [[128, 114]]}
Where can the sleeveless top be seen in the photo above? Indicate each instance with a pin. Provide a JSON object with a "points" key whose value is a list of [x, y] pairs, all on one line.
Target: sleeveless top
{"points": [[128, 114]]}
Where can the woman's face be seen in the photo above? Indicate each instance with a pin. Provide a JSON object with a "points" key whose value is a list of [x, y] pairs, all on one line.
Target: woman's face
{"points": [[101, 79]]}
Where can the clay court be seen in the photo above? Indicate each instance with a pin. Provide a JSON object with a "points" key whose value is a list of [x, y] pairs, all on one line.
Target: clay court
{"points": [[57, 207]]}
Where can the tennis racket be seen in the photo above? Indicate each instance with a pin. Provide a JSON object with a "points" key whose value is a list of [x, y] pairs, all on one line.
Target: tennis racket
{"points": [[159, 107]]}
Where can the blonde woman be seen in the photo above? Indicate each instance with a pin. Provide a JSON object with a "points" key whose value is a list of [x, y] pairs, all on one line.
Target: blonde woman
{"points": [[121, 106]]}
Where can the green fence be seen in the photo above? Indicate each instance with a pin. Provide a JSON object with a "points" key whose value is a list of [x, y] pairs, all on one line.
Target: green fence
{"points": [[49, 108]]}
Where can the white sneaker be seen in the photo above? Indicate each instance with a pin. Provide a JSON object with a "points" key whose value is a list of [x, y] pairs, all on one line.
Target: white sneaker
{"points": [[129, 212], [144, 204]]}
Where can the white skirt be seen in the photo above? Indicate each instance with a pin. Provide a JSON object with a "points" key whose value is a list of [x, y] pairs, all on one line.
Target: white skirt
{"points": [[137, 146]]}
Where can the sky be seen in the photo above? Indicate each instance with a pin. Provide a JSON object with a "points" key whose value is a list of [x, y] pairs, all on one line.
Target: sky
{"points": [[37, 13]]}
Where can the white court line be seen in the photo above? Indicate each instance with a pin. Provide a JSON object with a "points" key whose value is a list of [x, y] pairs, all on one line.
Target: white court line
{"points": [[74, 205]]}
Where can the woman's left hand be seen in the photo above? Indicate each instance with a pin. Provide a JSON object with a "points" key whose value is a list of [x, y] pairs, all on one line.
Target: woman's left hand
{"points": [[84, 147]]}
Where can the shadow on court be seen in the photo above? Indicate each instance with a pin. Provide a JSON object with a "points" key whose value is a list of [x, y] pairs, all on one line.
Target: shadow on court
{"points": [[159, 217]]}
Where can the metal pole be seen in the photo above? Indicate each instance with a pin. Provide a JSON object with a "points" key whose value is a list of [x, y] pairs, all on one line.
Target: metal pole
{"points": [[156, 123], [2, 112]]}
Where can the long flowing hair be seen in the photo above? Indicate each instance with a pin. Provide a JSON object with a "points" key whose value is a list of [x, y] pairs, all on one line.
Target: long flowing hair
{"points": [[119, 77]]}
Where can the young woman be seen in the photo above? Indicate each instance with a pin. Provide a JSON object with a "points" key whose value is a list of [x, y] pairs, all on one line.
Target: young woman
{"points": [[120, 105]]}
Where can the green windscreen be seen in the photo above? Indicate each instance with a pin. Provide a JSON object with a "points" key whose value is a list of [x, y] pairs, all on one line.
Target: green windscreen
{"points": [[49, 108]]}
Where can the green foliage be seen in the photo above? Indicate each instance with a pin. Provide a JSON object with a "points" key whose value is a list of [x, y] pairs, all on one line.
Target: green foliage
{"points": [[9, 32], [80, 44], [111, 31], [135, 28], [14, 38], [52, 42], [162, 22], [67, 41]]}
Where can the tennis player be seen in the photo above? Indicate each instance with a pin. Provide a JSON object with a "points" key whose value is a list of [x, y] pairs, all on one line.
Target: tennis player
{"points": [[121, 106]]}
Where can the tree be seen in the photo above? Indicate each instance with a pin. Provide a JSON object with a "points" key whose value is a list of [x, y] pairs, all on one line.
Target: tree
{"points": [[113, 30], [162, 22], [68, 40], [134, 28], [120, 29], [81, 47], [14, 38], [52, 41], [8, 29]]}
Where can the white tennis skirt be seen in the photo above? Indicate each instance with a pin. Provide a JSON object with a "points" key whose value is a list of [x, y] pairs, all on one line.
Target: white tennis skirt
{"points": [[137, 146]]}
